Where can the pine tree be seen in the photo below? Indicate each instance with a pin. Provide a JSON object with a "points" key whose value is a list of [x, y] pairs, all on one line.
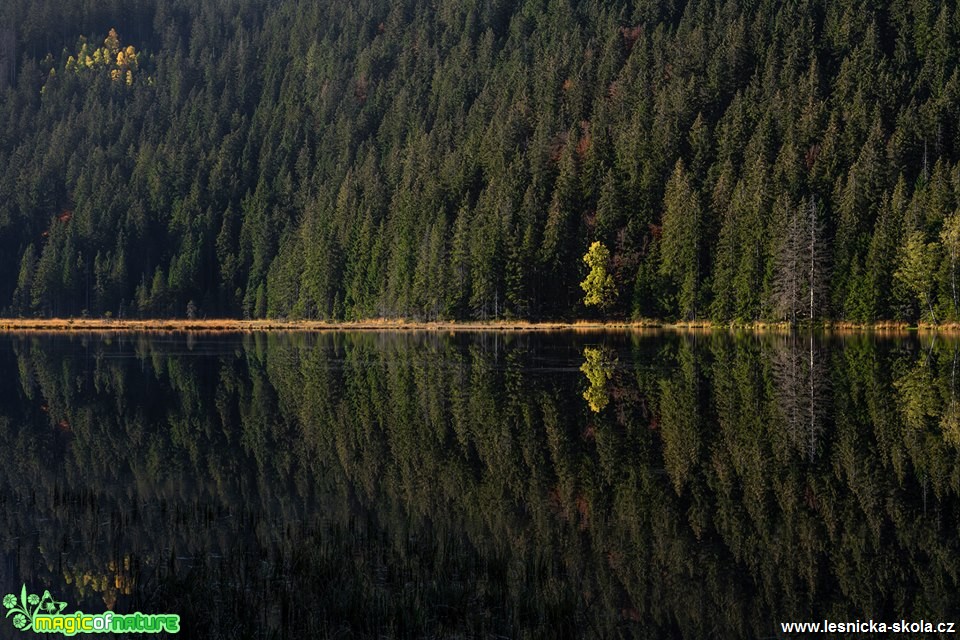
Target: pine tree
{"points": [[22, 295], [559, 233], [680, 241]]}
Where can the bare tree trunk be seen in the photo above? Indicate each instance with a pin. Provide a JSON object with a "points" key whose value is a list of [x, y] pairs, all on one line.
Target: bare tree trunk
{"points": [[813, 246], [930, 306], [953, 382], [794, 267], [953, 276], [813, 412], [696, 251], [953, 375]]}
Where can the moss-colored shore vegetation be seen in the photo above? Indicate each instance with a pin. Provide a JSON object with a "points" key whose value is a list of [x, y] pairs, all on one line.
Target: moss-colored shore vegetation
{"points": [[230, 325], [334, 161]]}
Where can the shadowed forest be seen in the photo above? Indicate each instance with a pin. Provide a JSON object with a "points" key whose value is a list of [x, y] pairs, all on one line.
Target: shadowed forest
{"points": [[526, 485], [344, 160]]}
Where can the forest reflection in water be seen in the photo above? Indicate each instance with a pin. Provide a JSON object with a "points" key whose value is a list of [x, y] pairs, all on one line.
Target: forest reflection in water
{"points": [[475, 485]]}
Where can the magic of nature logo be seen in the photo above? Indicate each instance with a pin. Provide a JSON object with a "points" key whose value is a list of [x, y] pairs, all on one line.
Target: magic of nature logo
{"points": [[43, 614]]}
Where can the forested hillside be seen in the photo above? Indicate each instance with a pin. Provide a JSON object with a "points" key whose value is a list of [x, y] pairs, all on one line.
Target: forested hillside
{"points": [[456, 158]]}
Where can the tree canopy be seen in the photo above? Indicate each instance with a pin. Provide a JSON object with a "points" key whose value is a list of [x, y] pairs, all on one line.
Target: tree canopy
{"points": [[454, 160], [598, 287]]}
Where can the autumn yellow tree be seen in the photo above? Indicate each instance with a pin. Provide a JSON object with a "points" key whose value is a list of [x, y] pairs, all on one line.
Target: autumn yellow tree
{"points": [[120, 61], [599, 287], [112, 42]]}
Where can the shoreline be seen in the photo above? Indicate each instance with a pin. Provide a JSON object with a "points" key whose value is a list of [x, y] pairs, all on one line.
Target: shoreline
{"points": [[227, 325], [103, 325]]}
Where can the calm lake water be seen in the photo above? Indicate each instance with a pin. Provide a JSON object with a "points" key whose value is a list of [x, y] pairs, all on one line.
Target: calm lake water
{"points": [[483, 485]]}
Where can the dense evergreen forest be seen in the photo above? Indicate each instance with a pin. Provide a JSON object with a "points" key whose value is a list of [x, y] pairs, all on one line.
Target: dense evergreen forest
{"points": [[455, 159]]}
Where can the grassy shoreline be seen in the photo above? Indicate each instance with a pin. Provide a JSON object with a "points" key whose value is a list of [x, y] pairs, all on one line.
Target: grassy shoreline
{"points": [[228, 325]]}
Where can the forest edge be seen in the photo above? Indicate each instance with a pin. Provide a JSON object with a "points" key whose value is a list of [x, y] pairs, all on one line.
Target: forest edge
{"points": [[105, 325]]}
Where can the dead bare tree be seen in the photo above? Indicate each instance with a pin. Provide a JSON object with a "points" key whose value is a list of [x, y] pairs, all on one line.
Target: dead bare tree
{"points": [[801, 390], [816, 258], [786, 299], [800, 262]]}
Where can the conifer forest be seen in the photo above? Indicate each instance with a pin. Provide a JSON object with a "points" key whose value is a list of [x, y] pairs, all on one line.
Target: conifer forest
{"points": [[735, 160]]}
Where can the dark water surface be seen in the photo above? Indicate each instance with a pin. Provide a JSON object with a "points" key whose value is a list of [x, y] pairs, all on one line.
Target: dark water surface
{"points": [[483, 485]]}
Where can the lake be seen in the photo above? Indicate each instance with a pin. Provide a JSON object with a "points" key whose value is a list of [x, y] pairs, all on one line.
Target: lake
{"points": [[528, 485]]}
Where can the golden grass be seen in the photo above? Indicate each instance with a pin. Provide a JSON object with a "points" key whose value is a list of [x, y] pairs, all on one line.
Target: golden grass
{"points": [[104, 325], [227, 325], [885, 326]]}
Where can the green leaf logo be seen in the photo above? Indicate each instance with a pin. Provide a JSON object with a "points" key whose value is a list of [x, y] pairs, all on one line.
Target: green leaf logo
{"points": [[25, 608], [49, 606]]}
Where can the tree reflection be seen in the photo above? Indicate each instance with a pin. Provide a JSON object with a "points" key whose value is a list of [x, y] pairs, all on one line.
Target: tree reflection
{"points": [[458, 485], [801, 380], [598, 366]]}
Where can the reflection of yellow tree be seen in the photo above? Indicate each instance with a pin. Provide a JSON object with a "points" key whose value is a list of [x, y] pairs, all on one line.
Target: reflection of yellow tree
{"points": [[916, 396], [117, 579], [950, 420], [950, 423], [598, 367]]}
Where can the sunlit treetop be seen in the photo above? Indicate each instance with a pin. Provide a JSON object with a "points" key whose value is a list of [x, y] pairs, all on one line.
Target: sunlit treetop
{"points": [[121, 62]]}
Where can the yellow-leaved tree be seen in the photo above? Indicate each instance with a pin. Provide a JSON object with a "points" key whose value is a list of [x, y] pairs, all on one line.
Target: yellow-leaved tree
{"points": [[598, 288], [121, 62]]}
